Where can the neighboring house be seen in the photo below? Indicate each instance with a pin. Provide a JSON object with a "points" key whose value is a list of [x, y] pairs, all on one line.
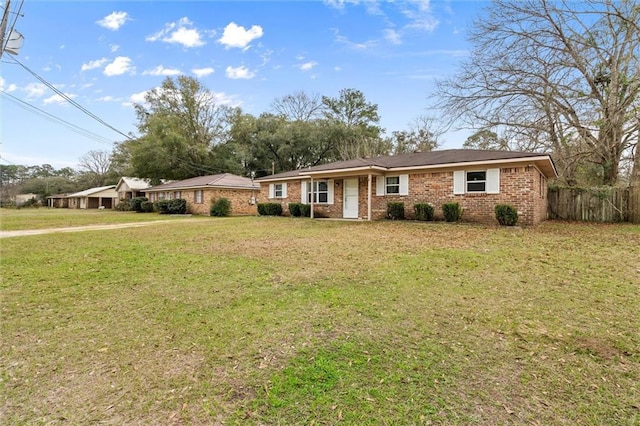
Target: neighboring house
{"points": [[128, 188], [478, 180], [201, 191], [58, 200], [94, 198], [22, 199]]}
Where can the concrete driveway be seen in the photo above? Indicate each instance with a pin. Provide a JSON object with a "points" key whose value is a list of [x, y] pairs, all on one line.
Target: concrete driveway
{"points": [[25, 232]]}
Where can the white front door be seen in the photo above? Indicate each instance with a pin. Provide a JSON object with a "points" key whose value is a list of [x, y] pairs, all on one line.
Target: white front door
{"points": [[350, 199]]}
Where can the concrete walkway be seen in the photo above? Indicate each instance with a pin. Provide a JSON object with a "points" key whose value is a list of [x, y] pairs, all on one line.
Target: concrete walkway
{"points": [[25, 232]]}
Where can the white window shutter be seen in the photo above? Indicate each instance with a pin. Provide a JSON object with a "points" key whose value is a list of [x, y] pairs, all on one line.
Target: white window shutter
{"points": [[404, 184], [458, 182], [381, 181], [304, 198], [493, 181], [272, 190], [284, 190], [330, 191]]}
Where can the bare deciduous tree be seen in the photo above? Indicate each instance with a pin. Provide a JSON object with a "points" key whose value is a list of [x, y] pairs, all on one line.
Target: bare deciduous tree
{"points": [[564, 74], [96, 165], [298, 106]]}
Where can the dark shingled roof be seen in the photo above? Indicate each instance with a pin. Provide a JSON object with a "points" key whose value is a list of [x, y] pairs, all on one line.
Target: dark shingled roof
{"points": [[416, 159], [223, 180]]}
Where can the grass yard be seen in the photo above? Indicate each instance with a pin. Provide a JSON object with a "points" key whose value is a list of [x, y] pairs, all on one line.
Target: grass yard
{"points": [[41, 218], [281, 321]]}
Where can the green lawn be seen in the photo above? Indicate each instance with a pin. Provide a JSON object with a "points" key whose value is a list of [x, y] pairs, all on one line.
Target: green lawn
{"points": [[269, 321], [41, 218]]}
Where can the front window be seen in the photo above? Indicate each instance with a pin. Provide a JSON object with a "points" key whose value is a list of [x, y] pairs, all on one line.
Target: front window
{"points": [[476, 181], [197, 196], [177, 194], [320, 192], [278, 191], [160, 195], [393, 185]]}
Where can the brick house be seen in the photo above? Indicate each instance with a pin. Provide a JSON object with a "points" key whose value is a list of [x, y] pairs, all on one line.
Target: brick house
{"points": [[201, 191], [477, 179]]}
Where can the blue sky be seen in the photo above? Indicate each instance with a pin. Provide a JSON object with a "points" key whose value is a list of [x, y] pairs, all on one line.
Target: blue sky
{"points": [[104, 55]]}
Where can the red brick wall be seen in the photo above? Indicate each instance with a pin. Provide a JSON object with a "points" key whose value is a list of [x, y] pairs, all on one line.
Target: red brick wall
{"points": [[524, 187], [240, 200]]}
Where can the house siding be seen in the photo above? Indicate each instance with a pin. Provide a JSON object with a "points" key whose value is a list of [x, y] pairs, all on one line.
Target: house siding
{"points": [[522, 186]]}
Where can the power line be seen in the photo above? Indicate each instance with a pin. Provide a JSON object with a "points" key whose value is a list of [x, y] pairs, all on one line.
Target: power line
{"points": [[68, 99], [79, 130]]}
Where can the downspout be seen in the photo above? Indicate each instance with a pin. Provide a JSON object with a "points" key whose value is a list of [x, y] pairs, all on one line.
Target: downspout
{"points": [[369, 197], [312, 196]]}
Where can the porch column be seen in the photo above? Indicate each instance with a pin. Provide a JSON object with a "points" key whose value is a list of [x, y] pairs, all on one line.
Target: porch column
{"points": [[369, 197], [312, 196]]}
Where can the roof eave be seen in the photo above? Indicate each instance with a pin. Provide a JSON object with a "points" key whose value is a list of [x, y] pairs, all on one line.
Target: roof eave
{"points": [[541, 158]]}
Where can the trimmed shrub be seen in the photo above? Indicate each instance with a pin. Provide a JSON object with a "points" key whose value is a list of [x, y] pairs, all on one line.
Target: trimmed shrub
{"points": [[146, 206], [175, 206], [123, 206], [424, 211], [305, 210], [452, 212], [178, 206], [395, 210], [221, 207], [161, 206], [294, 209], [269, 209], [506, 214], [136, 203]]}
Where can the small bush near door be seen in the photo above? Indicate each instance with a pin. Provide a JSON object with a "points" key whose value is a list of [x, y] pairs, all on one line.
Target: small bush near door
{"points": [[451, 212], [424, 211], [506, 214], [136, 203], [269, 209], [395, 210], [221, 207], [294, 209], [305, 210]]}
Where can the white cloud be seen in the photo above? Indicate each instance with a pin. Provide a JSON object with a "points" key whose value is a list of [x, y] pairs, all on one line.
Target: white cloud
{"points": [[10, 88], [392, 36], [419, 14], [136, 98], [353, 45], [307, 66], [237, 36], [114, 20], [240, 72], [160, 70], [35, 90], [337, 69], [180, 32], [57, 99], [106, 99], [222, 98], [203, 72], [94, 64], [114, 48], [120, 65]]}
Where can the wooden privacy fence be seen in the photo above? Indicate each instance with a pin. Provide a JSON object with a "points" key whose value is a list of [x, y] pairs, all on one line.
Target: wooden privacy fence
{"points": [[595, 204]]}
